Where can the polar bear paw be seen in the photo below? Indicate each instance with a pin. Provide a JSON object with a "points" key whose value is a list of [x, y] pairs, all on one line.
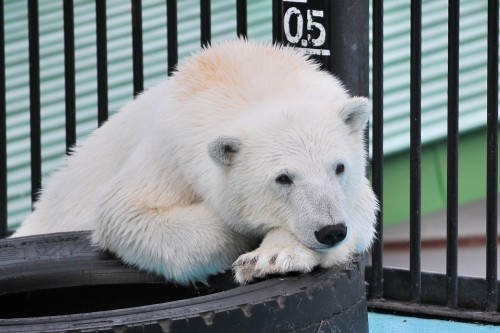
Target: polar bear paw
{"points": [[266, 261]]}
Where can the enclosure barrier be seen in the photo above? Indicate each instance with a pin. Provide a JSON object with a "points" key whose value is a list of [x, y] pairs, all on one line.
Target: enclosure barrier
{"points": [[330, 31], [434, 294]]}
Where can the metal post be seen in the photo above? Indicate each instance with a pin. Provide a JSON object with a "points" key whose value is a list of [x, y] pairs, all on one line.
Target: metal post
{"points": [[205, 23], [3, 134], [69, 74], [102, 62], [452, 157], [241, 18], [492, 160], [137, 46], [377, 289], [172, 45], [415, 150], [35, 131]]}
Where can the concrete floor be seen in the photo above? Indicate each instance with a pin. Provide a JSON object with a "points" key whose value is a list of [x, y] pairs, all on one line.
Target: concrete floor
{"points": [[472, 242], [386, 323]]}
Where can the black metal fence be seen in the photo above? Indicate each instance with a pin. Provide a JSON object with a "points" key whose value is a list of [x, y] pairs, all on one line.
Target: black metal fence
{"points": [[334, 27], [424, 293]]}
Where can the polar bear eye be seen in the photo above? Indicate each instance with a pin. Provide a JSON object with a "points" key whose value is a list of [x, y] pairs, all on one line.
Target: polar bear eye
{"points": [[283, 180], [340, 169]]}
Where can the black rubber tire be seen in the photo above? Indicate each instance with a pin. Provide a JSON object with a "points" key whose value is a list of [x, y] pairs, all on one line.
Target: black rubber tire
{"points": [[58, 282]]}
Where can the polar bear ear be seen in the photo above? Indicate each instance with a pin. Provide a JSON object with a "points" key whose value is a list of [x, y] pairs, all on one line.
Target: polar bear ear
{"points": [[223, 149], [356, 113]]}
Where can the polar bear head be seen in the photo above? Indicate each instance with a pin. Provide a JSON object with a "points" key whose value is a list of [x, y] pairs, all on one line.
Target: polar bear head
{"points": [[302, 167]]}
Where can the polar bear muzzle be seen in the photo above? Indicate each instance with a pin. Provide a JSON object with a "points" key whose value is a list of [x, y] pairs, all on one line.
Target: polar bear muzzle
{"points": [[331, 235]]}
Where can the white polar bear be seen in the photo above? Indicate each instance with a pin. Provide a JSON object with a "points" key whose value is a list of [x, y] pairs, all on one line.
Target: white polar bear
{"points": [[247, 142]]}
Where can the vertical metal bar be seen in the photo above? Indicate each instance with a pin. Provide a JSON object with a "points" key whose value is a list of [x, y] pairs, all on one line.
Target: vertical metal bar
{"points": [[206, 34], [377, 290], [3, 131], [241, 18], [102, 62], [69, 74], [277, 22], [348, 30], [492, 159], [34, 72], [452, 157], [172, 46], [137, 46], [415, 149]]}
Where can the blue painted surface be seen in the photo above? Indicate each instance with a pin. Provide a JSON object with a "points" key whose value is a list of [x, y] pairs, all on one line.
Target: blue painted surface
{"points": [[386, 323]]}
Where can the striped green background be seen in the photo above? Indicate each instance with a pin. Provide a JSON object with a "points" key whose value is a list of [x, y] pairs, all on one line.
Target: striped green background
{"points": [[396, 62]]}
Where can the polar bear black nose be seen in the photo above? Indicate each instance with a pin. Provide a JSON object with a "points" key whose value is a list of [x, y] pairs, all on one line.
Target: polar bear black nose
{"points": [[331, 235]]}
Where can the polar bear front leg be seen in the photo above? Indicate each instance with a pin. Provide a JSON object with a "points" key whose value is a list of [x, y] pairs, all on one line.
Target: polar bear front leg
{"points": [[279, 253], [183, 244]]}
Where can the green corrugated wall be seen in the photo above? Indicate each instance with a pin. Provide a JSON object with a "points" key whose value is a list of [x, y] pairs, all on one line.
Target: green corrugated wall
{"points": [[396, 89], [473, 31], [119, 70]]}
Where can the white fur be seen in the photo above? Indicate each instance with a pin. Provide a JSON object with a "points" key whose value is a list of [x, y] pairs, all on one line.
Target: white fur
{"points": [[181, 182]]}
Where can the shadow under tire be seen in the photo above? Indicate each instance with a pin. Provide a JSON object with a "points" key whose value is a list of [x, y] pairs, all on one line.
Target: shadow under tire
{"points": [[59, 282]]}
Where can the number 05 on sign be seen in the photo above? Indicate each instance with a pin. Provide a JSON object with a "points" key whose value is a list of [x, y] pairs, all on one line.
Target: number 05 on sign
{"points": [[303, 25]]}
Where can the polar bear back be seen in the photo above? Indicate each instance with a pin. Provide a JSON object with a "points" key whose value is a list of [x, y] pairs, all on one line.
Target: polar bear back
{"points": [[235, 75]]}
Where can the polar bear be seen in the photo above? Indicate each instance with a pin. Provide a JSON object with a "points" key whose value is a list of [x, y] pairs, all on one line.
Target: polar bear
{"points": [[249, 156]]}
